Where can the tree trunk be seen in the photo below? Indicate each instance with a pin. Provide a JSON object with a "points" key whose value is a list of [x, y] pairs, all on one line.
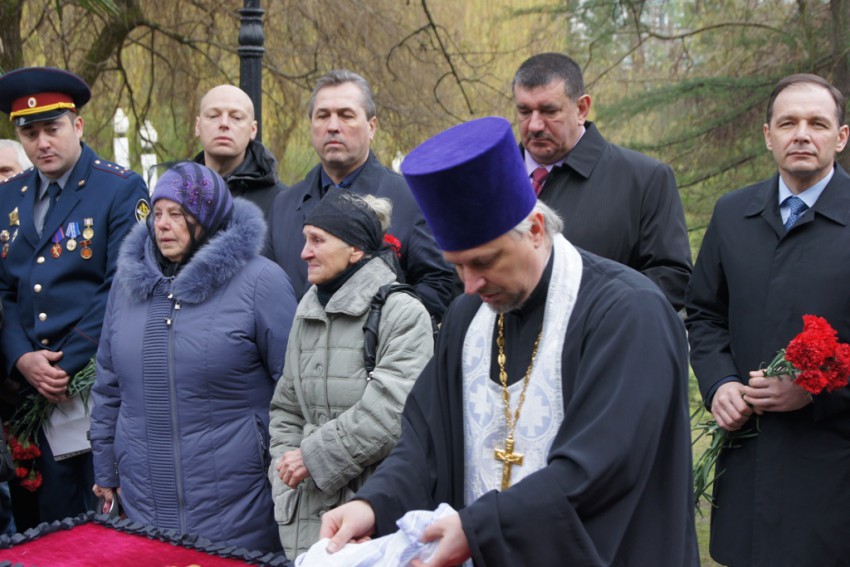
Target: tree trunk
{"points": [[841, 56], [111, 38], [11, 53]]}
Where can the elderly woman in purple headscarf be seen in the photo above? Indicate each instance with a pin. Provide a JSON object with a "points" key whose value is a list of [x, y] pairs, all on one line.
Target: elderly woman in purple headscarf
{"points": [[193, 342]]}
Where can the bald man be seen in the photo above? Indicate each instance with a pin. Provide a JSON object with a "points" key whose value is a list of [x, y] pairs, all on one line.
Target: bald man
{"points": [[227, 129]]}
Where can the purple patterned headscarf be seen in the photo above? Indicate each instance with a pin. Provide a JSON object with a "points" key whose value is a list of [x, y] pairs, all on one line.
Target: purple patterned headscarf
{"points": [[200, 191]]}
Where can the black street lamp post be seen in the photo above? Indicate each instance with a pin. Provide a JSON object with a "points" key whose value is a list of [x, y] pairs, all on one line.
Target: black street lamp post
{"points": [[251, 57]]}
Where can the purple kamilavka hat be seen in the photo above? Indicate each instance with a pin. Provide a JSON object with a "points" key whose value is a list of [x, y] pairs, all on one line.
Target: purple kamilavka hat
{"points": [[470, 182]]}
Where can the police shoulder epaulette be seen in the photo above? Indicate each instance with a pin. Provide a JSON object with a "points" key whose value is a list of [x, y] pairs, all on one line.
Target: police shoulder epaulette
{"points": [[15, 176], [110, 167]]}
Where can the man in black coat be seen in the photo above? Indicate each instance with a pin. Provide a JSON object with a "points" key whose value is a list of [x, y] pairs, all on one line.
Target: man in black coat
{"points": [[782, 497], [227, 129], [343, 122], [615, 202]]}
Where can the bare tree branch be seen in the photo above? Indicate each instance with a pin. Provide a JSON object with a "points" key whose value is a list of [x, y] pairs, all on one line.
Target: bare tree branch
{"points": [[446, 56]]}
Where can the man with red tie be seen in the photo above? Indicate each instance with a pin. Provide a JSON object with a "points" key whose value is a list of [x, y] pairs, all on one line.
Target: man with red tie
{"points": [[615, 202]]}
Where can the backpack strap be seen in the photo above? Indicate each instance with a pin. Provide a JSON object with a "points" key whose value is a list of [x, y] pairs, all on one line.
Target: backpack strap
{"points": [[373, 320]]}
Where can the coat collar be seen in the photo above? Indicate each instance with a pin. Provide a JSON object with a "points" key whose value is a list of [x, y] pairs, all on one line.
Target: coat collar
{"points": [[354, 297], [833, 204], [366, 182], [587, 152], [257, 171], [212, 266]]}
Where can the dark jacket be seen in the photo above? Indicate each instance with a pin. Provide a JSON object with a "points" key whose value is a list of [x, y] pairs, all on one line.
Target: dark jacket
{"points": [[421, 261], [624, 206], [256, 177], [58, 303], [783, 498], [185, 372]]}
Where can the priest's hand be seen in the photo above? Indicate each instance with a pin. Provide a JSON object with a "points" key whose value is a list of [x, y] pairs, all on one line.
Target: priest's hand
{"points": [[774, 393], [38, 367], [291, 468], [453, 548], [351, 522], [729, 408]]}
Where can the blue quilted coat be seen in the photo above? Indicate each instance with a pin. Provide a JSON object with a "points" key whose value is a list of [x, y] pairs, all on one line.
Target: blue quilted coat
{"points": [[186, 369]]}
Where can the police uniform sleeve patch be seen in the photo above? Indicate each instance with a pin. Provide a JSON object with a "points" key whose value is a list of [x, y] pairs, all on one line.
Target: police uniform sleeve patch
{"points": [[142, 210]]}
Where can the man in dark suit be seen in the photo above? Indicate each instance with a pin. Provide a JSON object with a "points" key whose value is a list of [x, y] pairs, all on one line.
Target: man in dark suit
{"points": [[61, 224], [615, 202], [773, 252], [343, 121]]}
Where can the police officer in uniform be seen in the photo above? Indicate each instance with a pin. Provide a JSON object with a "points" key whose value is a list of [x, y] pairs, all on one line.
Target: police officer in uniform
{"points": [[61, 224]]}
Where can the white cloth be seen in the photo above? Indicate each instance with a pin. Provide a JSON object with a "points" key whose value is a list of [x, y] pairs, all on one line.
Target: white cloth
{"points": [[395, 550], [484, 428]]}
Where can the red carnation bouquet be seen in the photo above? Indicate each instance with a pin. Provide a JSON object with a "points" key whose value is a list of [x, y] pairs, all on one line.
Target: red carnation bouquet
{"points": [[33, 413], [24, 454], [814, 358], [816, 362]]}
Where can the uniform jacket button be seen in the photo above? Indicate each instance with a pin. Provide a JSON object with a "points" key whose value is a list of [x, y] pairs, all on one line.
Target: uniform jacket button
{"points": [[42, 316], [40, 260], [37, 288]]}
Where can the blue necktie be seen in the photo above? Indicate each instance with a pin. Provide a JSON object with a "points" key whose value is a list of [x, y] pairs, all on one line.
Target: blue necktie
{"points": [[798, 207], [53, 191]]}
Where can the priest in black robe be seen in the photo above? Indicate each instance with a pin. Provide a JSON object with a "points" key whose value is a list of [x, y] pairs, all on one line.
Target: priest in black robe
{"points": [[554, 414]]}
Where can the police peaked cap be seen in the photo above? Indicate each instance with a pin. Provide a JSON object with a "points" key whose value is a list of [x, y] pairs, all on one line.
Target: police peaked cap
{"points": [[37, 94]]}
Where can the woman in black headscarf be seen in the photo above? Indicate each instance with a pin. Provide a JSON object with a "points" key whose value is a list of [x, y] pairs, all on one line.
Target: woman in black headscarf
{"points": [[331, 421]]}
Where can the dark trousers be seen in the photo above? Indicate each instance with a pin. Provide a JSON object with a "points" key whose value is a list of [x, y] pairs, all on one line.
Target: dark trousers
{"points": [[66, 485]]}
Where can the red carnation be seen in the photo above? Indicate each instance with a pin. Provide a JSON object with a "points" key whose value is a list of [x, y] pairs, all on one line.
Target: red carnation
{"points": [[815, 358], [394, 243], [33, 482], [841, 367], [813, 381], [814, 345], [23, 451], [22, 472]]}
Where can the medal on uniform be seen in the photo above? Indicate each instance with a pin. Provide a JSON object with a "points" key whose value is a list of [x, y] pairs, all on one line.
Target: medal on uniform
{"points": [[4, 238], [72, 232], [13, 218], [85, 251], [56, 249], [88, 232]]}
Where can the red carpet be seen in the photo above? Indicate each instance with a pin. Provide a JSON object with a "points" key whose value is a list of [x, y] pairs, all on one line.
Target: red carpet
{"points": [[91, 544]]}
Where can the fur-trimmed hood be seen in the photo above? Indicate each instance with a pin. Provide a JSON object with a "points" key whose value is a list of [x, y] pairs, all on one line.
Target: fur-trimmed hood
{"points": [[212, 266]]}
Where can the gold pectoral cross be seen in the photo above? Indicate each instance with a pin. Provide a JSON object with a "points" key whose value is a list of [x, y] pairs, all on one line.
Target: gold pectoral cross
{"points": [[508, 458]]}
